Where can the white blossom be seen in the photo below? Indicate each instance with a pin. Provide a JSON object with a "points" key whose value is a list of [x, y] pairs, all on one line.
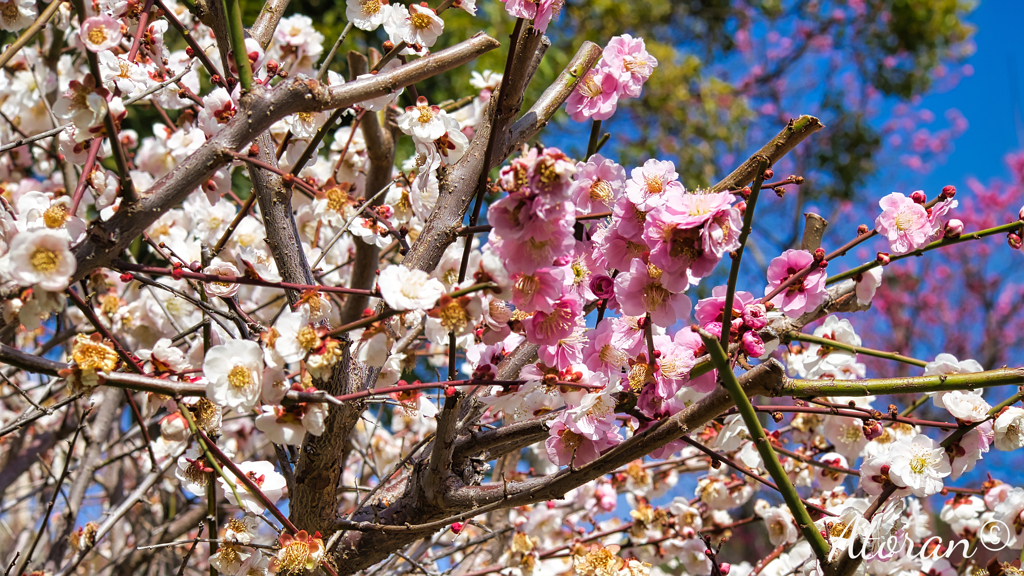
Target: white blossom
{"points": [[1009, 429], [234, 374], [42, 258], [405, 289], [919, 464]]}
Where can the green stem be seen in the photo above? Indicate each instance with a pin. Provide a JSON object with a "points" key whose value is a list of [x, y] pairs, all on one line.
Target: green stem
{"points": [[764, 448], [904, 385], [595, 135], [237, 37], [854, 272], [917, 404], [734, 270], [801, 337], [194, 430]]}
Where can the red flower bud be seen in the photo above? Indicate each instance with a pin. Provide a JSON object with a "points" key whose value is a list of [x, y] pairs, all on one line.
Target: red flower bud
{"points": [[127, 277], [882, 258], [819, 254], [724, 568], [457, 527], [254, 150], [769, 174], [1014, 241], [949, 191], [919, 196], [178, 273]]}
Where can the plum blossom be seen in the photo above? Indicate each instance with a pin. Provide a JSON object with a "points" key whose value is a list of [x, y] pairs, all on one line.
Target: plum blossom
{"points": [[41, 258], [416, 25], [803, 295], [640, 292], [367, 14], [576, 443], [405, 289], [598, 183], [289, 425], [17, 14], [653, 184], [263, 475], [547, 328], [903, 222], [1009, 429], [919, 464], [627, 57], [101, 33], [595, 97], [423, 122], [234, 374]]}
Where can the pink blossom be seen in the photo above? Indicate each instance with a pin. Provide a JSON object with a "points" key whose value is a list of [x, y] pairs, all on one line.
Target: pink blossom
{"points": [[628, 219], [547, 328], [752, 344], [599, 182], [570, 445], [710, 309], [691, 236], [938, 216], [654, 184], [640, 292], [903, 222], [601, 354], [803, 295], [538, 290], [596, 96], [691, 342], [628, 58], [614, 251]]}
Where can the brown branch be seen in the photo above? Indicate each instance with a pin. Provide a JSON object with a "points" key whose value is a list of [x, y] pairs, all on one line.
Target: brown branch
{"points": [[258, 111], [793, 134]]}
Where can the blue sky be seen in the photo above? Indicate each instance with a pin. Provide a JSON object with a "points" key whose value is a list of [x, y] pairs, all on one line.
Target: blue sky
{"points": [[985, 99]]}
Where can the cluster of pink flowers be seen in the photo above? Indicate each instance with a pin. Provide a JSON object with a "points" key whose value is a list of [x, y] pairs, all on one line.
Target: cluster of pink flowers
{"points": [[908, 225], [620, 74]]}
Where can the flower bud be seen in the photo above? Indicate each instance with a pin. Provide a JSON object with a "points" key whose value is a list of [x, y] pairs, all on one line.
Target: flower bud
{"points": [[862, 229], [882, 258], [744, 192], [127, 277], [954, 228], [272, 67], [1020, 215], [752, 344], [602, 286], [1014, 241], [714, 329], [457, 528], [755, 316], [741, 206], [872, 429], [819, 254], [724, 568], [769, 174], [949, 191], [919, 196]]}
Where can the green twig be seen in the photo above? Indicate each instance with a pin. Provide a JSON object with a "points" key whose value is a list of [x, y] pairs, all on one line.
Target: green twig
{"points": [[764, 448], [734, 270], [801, 337], [236, 34], [854, 272]]}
